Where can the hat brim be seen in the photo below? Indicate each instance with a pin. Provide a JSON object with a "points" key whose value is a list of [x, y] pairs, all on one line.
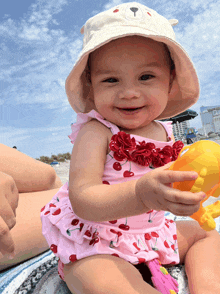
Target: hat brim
{"points": [[185, 88]]}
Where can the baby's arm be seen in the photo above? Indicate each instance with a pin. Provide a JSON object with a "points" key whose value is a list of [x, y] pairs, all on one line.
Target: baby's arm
{"points": [[90, 199], [94, 201]]}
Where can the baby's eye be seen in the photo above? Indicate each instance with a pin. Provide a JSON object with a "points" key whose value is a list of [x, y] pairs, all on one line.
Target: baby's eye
{"points": [[110, 80], [146, 77]]}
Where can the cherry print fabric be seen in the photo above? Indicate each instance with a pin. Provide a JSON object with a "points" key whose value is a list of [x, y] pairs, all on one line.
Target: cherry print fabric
{"points": [[136, 239]]}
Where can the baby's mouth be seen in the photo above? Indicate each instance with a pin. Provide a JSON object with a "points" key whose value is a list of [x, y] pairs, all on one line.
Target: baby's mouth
{"points": [[130, 110]]}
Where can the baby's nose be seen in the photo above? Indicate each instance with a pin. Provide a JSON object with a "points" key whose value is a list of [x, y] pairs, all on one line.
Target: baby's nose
{"points": [[130, 91]]}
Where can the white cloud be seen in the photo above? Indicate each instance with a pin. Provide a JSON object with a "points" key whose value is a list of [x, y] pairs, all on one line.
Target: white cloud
{"points": [[170, 8], [34, 32], [44, 76], [7, 133], [202, 42], [24, 133], [112, 3], [48, 140], [43, 57]]}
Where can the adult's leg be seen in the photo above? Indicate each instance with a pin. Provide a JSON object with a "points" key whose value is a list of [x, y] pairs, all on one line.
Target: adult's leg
{"points": [[29, 174], [27, 233]]}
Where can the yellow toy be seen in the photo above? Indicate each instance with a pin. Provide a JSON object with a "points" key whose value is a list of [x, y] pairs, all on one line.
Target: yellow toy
{"points": [[204, 158]]}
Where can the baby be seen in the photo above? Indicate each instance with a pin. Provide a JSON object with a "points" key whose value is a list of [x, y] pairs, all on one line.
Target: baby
{"points": [[110, 217]]}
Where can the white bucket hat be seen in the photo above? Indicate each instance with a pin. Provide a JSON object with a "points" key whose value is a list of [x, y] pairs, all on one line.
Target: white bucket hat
{"points": [[126, 20]]}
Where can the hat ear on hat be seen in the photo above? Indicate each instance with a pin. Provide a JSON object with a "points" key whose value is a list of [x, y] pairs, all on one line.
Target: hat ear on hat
{"points": [[173, 22]]}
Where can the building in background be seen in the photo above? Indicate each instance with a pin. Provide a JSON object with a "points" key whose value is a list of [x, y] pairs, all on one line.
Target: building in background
{"points": [[179, 129], [201, 132], [181, 123], [210, 116]]}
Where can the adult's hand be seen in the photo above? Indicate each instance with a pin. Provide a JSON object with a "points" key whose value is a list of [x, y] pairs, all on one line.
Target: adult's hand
{"points": [[8, 203]]}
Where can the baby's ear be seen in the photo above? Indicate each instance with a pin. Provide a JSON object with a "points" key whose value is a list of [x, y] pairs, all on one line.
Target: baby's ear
{"points": [[174, 88], [88, 78], [172, 78], [82, 30], [90, 100], [91, 93]]}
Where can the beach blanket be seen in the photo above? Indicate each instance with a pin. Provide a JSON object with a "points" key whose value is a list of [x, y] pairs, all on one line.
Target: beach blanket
{"points": [[39, 274]]}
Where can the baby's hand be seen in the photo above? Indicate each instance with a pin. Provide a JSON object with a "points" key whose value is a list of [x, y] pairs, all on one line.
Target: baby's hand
{"points": [[155, 191], [8, 204]]}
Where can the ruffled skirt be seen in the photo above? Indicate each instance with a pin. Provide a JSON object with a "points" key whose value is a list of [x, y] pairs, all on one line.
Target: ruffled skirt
{"points": [[72, 238]]}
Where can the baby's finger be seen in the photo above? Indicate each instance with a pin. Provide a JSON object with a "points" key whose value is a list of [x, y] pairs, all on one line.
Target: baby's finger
{"points": [[167, 166], [6, 241], [183, 209], [184, 197], [170, 176]]}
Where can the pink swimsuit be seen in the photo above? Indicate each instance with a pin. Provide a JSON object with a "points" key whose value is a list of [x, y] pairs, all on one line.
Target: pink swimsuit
{"points": [[136, 239]]}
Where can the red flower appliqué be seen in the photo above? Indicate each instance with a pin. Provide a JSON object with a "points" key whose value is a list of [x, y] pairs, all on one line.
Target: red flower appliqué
{"points": [[142, 154], [121, 143], [145, 154], [177, 146]]}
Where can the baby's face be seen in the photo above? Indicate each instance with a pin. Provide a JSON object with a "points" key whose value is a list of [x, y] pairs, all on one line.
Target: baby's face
{"points": [[130, 73]]}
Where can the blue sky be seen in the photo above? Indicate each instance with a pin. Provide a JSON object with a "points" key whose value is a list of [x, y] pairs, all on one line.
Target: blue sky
{"points": [[39, 43]]}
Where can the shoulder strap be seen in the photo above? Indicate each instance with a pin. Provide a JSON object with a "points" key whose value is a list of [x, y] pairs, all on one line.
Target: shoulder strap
{"points": [[83, 118], [167, 126]]}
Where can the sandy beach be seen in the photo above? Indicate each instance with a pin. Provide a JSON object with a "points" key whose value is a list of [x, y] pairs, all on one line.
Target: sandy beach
{"points": [[62, 170]]}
